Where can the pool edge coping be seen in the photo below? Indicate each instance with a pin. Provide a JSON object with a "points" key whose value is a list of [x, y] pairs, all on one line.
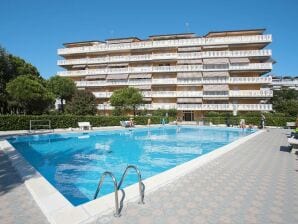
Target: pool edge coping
{"points": [[58, 209]]}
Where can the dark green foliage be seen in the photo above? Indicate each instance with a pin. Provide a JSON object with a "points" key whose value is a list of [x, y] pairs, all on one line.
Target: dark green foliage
{"points": [[126, 98], [254, 118], [286, 101], [10, 68], [28, 94], [21, 122], [163, 112], [117, 111], [21, 67], [62, 87], [82, 103]]}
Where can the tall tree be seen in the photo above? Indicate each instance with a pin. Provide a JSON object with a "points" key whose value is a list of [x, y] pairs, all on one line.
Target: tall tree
{"points": [[10, 68], [29, 94], [5, 70], [286, 101], [82, 103], [63, 88], [127, 98]]}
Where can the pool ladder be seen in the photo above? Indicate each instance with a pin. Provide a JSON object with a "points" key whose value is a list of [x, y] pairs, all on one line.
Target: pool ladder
{"points": [[118, 186]]}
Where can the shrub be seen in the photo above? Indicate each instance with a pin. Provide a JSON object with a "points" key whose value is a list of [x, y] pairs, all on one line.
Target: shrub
{"points": [[21, 122], [163, 112], [254, 118]]}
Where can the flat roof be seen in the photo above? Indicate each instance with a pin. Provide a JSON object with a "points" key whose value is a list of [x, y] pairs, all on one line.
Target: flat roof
{"points": [[162, 36], [165, 36], [82, 42], [226, 32], [124, 38]]}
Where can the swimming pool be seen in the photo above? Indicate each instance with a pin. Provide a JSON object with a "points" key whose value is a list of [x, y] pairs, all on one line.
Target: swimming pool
{"points": [[74, 162]]}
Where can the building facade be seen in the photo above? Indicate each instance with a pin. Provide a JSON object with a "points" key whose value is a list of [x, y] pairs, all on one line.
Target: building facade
{"points": [[280, 82], [221, 71]]}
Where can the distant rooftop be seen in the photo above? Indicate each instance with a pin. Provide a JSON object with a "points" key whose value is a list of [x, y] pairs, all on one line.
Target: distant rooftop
{"points": [[83, 43], [168, 36], [235, 32], [172, 36], [284, 77]]}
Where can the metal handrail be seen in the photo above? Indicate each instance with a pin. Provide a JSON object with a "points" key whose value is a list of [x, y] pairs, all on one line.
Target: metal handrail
{"points": [[141, 185], [117, 211], [31, 124]]}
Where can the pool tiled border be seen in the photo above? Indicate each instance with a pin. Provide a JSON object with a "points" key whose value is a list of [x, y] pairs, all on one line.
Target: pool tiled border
{"points": [[58, 209]]}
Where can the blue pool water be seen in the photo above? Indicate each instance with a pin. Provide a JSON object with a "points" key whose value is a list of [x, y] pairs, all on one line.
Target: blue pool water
{"points": [[74, 162]]}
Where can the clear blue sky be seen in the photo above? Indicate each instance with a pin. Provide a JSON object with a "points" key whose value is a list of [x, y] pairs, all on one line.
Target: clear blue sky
{"points": [[34, 29]]}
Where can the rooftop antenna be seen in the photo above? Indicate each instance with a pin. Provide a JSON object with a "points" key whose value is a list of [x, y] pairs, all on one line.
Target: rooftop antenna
{"points": [[187, 27]]}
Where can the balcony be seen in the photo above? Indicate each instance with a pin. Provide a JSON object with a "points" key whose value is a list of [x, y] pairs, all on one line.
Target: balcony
{"points": [[226, 107], [199, 107], [252, 66], [160, 69], [174, 94], [165, 56], [104, 47], [229, 80], [159, 94], [251, 93]]}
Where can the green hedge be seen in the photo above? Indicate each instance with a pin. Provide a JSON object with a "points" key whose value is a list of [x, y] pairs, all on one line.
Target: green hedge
{"points": [[21, 122], [271, 119]]}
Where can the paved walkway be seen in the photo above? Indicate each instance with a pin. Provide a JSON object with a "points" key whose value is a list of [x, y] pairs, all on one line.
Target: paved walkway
{"points": [[16, 203], [255, 183]]}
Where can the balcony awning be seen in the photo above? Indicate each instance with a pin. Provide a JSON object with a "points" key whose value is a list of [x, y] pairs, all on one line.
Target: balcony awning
{"points": [[215, 88], [189, 100], [215, 74], [144, 87], [140, 76], [118, 65], [239, 60], [90, 77], [216, 47], [117, 76], [216, 98], [186, 49], [147, 99], [189, 75], [188, 61], [79, 66], [215, 61]]}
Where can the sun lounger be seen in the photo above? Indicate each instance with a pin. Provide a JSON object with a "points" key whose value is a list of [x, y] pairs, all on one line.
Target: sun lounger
{"points": [[84, 125], [290, 125], [294, 143], [126, 124]]}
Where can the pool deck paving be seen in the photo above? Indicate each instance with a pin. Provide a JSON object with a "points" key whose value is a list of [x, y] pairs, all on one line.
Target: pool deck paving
{"points": [[16, 203], [257, 182]]}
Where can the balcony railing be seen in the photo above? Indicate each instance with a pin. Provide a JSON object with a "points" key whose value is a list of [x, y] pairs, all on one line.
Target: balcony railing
{"points": [[199, 107], [250, 93], [168, 43], [159, 69], [160, 94], [285, 82], [175, 56], [174, 94], [226, 107], [230, 80]]}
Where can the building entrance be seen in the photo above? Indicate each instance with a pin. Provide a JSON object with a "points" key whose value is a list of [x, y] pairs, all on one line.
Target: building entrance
{"points": [[188, 116]]}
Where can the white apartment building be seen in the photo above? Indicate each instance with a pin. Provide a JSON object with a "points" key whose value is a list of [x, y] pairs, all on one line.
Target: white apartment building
{"points": [[221, 71]]}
